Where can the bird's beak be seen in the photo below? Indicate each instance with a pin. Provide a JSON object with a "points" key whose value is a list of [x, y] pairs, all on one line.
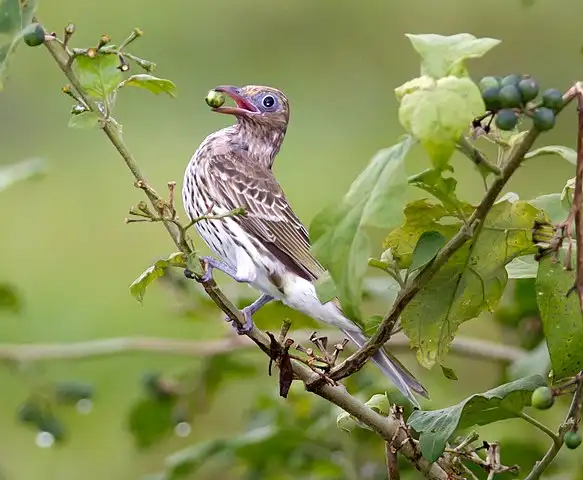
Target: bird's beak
{"points": [[244, 106]]}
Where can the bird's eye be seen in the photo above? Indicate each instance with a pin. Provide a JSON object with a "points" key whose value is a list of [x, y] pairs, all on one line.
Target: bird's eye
{"points": [[268, 101]]}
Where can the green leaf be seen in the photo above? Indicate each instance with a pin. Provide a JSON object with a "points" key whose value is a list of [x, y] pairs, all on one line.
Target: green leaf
{"points": [[567, 153], [448, 373], [426, 249], [561, 317], [375, 199], [552, 205], [568, 194], [15, 15], [325, 288], [445, 55], [371, 324], [84, 120], [437, 426], [151, 420], [379, 402], [186, 462], [522, 267], [471, 281], [218, 369], [439, 112], [534, 362], [17, 172], [9, 298], [99, 76], [443, 188], [153, 84], [157, 270]]}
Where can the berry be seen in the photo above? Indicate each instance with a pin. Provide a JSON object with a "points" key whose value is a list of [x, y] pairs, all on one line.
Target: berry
{"points": [[510, 96], [488, 82], [53, 426], [30, 413], [572, 439], [528, 89], [543, 118], [491, 98], [72, 392], [542, 398], [215, 99], [33, 35], [512, 79], [506, 119], [553, 99]]}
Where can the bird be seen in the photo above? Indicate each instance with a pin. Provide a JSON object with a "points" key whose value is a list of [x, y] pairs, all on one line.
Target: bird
{"points": [[268, 247]]}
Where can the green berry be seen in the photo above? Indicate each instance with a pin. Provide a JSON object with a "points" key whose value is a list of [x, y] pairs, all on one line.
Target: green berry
{"points": [[491, 98], [53, 426], [528, 89], [506, 119], [553, 99], [30, 413], [33, 35], [542, 398], [572, 439], [488, 82], [510, 96], [543, 118], [215, 99], [72, 392], [512, 79]]}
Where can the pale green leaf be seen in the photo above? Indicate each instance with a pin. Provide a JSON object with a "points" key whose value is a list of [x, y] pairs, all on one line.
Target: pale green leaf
{"points": [[426, 249], [375, 199], [443, 188], [84, 120], [522, 267], [99, 76], [17, 172], [534, 362], [15, 15], [561, 317], [325, 288], [445, 55], [437, 426], [439, 113], [153, 84], [568, 194], [379, 402], [157, 270], [474, 278], [552, 205], [567, 153]]}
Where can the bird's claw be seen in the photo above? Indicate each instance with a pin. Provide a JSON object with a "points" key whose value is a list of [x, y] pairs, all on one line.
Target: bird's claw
{"points": [[207, 275], [247, 326]]}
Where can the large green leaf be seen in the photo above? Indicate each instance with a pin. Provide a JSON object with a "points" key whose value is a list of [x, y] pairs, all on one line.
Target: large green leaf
{"points": [[471, 281], [445, 55], [561, 317], [20, 171], [99, 76], [375, 199], [438, 112], [437, 426], [15, 15]]}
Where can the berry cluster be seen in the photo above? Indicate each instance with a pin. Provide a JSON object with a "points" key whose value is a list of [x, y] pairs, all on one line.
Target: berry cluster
{"points": [[507, 98]]}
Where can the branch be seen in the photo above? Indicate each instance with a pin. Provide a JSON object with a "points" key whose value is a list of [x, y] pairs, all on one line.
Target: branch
{"points": [[337, 394], [355, 362], [476, 156], [578, 198], [36, 352]]}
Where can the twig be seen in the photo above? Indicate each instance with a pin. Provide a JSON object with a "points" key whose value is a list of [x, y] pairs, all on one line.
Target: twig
{"points": [[479, 159], [541, 426], [578, 197], [392, 462]]}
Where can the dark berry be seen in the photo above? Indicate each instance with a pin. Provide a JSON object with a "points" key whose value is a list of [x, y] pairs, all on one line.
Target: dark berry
{"points": [[553, 99], [491, 99], [33, 35], [510, 96], [528, 89], [512, 79], [506, 119], [543, 118], [488, 82], [542, 398], [30, 413]]}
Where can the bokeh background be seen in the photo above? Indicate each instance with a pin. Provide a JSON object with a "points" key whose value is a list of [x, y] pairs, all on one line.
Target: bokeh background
{"points": [[63, 241]]}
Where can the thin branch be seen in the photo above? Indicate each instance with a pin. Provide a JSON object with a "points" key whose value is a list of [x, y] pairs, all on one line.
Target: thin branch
{"points": [[392, 462], [541, 426], [578, 197], [476, 156]]}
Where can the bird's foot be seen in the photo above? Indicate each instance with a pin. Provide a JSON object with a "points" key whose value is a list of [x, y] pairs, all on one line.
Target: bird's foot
{"points": [[209, 264], [248, 325]]}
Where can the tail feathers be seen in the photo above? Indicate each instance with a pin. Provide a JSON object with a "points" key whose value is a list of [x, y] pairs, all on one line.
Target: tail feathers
{"points": [[392, 368]]}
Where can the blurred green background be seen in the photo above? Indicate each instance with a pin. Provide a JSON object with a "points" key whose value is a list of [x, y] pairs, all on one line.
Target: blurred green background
{"points": [[64, 243]]}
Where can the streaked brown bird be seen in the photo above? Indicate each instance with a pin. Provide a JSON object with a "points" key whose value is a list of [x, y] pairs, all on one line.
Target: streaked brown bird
{"points": [[268, 248]]}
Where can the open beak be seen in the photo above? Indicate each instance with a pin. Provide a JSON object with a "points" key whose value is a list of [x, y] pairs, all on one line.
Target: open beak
{"points": [[244, 106]]}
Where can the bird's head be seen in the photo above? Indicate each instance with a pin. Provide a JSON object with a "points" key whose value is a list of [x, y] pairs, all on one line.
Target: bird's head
{"points": [[264, 106]]}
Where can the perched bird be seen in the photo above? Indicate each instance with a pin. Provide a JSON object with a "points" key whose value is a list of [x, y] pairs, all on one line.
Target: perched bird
{"points": [[267, 248]]}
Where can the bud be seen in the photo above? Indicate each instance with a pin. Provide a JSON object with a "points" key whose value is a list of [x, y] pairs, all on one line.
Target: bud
{"points": [[104, 40], [70, 29]]}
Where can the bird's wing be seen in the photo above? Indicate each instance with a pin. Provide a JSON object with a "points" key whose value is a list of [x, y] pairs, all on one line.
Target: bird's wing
{"points": [[240, 182]]}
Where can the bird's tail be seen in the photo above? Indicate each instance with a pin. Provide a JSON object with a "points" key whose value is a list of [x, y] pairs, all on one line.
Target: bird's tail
{"points": [[392, 368]]}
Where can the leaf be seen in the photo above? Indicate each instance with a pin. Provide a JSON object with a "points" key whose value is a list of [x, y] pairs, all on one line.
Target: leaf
{"points": [[375, 199], [379, 402], [437, 426], [471, 281], [99, 76], [561, 317], [439, 113], [567, 153], [371, 325], [9, 298], [325, 288], [218, 369], [442, 188], [552, 205], [15, 15], [140, 284], [445, 55], [522, 267], [426, 249], [188, 461], [568, 194], [153, 84], [84, 120], [151, 420], [535, 362], [17, 172], [448, 373]]}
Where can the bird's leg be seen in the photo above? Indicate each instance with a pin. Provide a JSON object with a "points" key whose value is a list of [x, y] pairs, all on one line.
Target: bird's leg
{"points": [[212, 263], [248, 312]]}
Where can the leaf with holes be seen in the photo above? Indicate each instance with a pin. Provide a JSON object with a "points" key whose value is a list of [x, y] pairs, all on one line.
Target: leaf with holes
{"points": [[437, 426]]}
